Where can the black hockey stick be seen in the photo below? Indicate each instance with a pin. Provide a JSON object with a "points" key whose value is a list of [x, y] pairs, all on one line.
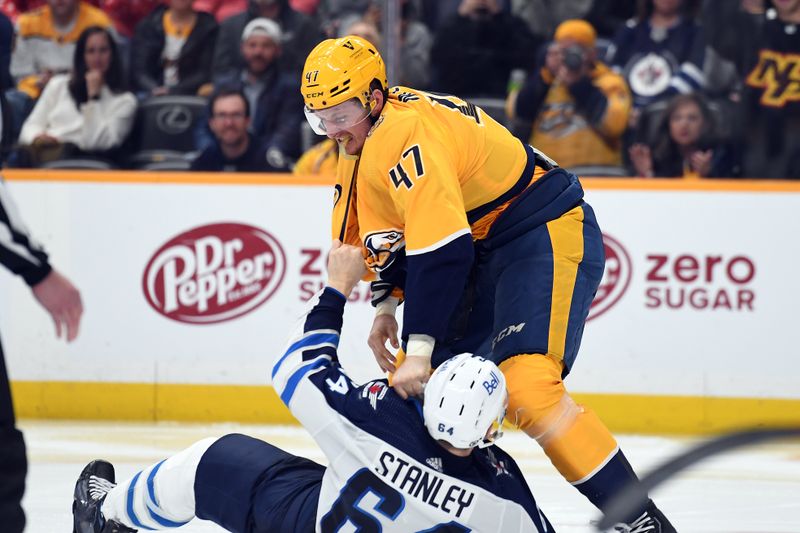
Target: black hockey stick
{"points": [[635, 496]]}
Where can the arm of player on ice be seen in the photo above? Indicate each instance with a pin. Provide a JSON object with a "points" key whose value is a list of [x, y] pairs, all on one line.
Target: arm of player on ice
{"points": [[307, 375]]}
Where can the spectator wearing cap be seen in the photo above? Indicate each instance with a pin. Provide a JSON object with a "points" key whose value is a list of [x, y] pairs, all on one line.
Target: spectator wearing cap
{"points": [[234, 148], [573, 107], [274, 101], [172, 50], [300, 35]]}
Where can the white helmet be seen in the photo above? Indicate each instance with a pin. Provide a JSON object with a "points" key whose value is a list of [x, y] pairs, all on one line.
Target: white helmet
{"points": [[464, 399]]}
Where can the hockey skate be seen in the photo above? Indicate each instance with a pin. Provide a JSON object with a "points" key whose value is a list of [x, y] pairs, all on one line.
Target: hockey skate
{"points": [[91, 488], [652, 520]]}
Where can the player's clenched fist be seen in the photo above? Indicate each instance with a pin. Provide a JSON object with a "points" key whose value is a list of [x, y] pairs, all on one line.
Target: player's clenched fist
{"points": [[345, 267]]}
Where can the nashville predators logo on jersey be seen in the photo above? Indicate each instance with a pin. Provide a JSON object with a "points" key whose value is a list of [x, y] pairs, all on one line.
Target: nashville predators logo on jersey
{"points": [[779, 75], [383, 248]]}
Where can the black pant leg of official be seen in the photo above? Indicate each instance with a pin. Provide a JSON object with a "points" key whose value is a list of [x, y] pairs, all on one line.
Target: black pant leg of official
{"points": [[13, 463]]}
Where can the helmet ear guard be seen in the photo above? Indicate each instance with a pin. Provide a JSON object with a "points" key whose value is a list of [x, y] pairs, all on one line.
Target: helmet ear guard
{"points": [[465, 402]]}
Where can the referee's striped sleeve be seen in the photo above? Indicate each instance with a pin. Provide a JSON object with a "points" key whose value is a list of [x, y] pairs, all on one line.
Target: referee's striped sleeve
{"points": [[19, 252]]}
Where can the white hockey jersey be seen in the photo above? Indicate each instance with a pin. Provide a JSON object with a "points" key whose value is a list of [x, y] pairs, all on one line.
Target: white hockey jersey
{"points": [[386, 473]]}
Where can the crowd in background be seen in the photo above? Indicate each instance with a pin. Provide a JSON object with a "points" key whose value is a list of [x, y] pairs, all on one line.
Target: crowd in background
{"points": [[654, 88]]}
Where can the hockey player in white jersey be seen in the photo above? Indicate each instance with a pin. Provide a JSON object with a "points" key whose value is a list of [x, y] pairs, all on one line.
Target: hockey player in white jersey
{"points": [[394, 465]]}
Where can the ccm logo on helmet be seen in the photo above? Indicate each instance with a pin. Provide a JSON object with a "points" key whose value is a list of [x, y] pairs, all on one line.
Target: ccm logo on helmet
{"points": [[491, 384], [313, 95]]}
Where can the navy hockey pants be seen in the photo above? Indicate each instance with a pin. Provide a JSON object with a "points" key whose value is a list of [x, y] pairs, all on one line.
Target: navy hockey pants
{"points": [[249, 486]]}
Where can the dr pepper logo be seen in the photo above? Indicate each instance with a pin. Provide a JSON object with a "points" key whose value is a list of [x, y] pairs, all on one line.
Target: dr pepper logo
{"points": [[214, 273], [616, 277]]}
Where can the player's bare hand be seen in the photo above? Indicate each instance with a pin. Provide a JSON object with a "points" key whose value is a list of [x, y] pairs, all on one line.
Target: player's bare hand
{"points": [[384, 328], [412, 376], [345, 267], [63, 301]]}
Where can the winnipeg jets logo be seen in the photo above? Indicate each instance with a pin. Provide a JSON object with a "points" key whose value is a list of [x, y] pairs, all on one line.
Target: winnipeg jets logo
{"points": [[374, 391], [435, 463]]}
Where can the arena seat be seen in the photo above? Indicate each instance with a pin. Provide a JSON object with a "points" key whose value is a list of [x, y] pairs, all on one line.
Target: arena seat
{"points": [[165, 124]]}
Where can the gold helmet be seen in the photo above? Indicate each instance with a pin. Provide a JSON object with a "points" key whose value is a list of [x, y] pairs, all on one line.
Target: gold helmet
{"points": [[337, 70]]}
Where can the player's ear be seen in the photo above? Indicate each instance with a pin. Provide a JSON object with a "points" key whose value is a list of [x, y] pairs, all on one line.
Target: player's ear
{"points": [[377, 97]]}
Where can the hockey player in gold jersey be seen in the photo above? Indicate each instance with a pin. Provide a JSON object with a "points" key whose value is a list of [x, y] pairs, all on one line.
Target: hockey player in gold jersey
{"points": [[488, 242]]}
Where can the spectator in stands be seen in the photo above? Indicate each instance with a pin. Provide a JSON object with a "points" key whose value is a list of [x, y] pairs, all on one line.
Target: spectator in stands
{"points": [[45, 46], [275, 103], [87, 111], [300, 32], [686, 144], [415, 42], [172, 50], [764, 43], [321, 158], [221, 9], [662, 53], [573, 107], [235, 149], [475, 50]]}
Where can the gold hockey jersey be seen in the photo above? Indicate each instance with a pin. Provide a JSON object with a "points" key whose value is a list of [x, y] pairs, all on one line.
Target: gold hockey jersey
{"points": [[432, 169]]}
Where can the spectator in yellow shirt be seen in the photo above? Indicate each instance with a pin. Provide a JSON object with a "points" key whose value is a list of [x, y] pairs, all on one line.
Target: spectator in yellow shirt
{"points": [[573, 107], [45, 45]]}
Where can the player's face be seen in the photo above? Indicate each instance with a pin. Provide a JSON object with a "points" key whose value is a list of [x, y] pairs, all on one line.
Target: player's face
{"points": [[347, 123], [259, 52], [98, 52], [229, 120], [685, 124]]}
